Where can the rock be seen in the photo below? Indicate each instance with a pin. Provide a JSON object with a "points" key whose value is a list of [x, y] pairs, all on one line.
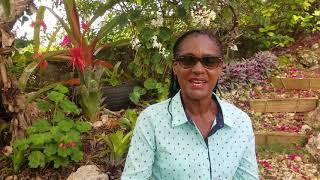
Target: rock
{"points": [[313, 146], [313, 118], [97, 124], [306, 129], [88, 172], [14, 177], [7, 150]]}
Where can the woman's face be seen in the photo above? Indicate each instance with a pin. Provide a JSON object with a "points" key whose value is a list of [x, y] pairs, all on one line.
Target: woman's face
{"points": [[197, 82]]}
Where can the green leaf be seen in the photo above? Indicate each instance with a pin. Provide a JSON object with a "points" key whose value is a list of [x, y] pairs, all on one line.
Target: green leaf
{"points": [[83, 126], [147, 33], [150, 83], [156, 57], [36, 159], [181, 13], [60, 162], [59, 116], [62, 152], [55, 96], [72, 135], [61, 88], [21, 144], [165, 34], [56, 134], [69, 107], [77, 155], [65, 125], [17, 159], [119, 20], [40, 139], [41, 125], [160, 68], [186, 4], [26, 74], [44, 105], [136, 94], [50, 149]]}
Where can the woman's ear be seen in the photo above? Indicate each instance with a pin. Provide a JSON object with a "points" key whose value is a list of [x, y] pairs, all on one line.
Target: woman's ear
{"points": [[174, 67]]}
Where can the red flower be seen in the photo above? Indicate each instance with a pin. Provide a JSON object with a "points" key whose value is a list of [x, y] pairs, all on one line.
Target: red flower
{"points": [[77, 58], [43, 64], [72, 144], [293, 156], [84, 25], [66, 41], [265, 164]]}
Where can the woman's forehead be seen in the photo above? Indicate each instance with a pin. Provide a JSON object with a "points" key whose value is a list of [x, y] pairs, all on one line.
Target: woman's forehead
{"points": [[198, 45]]}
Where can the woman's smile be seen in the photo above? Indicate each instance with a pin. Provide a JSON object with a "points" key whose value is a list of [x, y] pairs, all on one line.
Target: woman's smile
{"points": [[198, 83]]}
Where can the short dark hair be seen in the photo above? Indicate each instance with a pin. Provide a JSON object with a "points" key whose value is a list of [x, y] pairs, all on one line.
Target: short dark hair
{"points": [[174, 85]]}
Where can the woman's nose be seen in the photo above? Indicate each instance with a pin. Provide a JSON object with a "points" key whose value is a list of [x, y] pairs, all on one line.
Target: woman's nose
{"points": [[198, 67]]}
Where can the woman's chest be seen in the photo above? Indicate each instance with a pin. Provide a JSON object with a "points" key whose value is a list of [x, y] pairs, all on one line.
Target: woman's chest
{"points": [[183, 153]]}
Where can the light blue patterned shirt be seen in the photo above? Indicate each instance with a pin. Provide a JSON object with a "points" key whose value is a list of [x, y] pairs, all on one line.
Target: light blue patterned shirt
{"points": [[173, 148]]}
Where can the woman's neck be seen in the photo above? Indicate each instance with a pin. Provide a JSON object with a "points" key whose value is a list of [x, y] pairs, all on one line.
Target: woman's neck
{"points": [[198, 106]]}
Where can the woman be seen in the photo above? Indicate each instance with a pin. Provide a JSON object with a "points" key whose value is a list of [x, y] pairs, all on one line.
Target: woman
{"points": [[194, 134]]}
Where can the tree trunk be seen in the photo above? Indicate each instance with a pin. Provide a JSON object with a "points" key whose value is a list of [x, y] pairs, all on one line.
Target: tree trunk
{"points": [[12, 99]]}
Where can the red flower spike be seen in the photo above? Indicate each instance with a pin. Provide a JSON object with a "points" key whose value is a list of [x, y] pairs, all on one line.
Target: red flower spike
{"points": [[66, 41], [77, 58], [43, 64]]}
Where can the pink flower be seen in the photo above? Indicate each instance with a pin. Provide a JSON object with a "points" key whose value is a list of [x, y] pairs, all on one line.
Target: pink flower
{"points": [[66, 41], [84, 25], [77, 58]]}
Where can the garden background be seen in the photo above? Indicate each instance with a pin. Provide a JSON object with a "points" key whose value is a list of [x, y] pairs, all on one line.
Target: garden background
{"points": [[71, 94]]}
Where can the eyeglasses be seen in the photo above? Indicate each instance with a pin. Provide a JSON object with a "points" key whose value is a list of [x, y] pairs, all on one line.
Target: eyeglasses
{"points": [[209, 62]]}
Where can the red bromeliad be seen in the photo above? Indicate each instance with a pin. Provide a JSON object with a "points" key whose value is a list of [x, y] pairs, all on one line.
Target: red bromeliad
{"points": [[77, 58]]}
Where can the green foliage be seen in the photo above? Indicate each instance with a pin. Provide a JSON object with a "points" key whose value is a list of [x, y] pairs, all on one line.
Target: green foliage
{"points": [[90, 93], [276, 23], [128, 120], [54, 139], [113, 77], [118, 144]]}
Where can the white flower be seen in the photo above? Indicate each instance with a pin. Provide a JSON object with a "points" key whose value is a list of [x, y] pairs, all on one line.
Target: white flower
{"points": [[234, 47], [155, 43], [135, 42], [157, 22], [202, 16]]}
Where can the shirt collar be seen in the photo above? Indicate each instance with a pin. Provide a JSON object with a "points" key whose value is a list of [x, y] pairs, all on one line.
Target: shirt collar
{"points": [[179, 116]]}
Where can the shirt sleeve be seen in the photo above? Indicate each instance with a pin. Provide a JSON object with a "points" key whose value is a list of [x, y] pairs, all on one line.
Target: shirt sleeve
{"points": [[248, 168], [140, 157]]}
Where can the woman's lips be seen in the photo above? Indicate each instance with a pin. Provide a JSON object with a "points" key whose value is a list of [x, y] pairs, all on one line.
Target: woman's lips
{"points": [[197, 83]]}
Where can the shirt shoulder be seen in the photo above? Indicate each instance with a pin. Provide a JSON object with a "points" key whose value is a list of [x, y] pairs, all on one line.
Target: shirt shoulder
{"points": [[238, 116], [155, 112]]}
